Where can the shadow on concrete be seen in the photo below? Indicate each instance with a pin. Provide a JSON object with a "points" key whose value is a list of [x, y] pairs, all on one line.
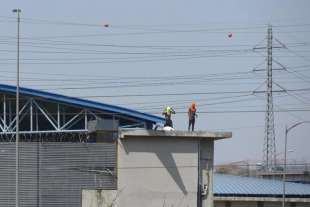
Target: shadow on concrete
{"points": [[164, 154]]}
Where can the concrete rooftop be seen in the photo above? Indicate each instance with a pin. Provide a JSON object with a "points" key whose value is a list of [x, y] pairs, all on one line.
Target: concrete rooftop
{"points": [[128, 133]]}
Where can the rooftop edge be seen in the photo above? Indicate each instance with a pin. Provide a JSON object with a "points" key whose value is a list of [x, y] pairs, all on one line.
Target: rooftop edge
{"points": [[127, 133]]}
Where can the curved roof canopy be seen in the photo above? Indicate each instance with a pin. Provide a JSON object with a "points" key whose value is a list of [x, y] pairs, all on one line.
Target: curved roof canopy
{"points": [[93, 106]]}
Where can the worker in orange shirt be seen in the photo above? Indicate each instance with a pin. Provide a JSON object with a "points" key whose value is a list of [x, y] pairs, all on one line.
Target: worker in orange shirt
{"points": [[192, 116]]}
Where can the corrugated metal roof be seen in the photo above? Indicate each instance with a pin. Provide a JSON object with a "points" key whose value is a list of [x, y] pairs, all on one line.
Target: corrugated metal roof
{"points": [[82, 103], [230, 185]]}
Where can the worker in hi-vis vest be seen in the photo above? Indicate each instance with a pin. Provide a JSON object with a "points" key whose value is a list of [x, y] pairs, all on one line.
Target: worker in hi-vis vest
{"points": [[192, 116], [167, 113]]}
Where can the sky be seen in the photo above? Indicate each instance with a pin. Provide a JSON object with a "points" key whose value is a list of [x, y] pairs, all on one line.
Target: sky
{"points": [[172, 52]]}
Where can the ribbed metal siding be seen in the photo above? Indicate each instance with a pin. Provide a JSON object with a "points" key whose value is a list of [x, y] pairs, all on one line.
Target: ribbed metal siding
{"points": [[237, 185], [53, 174], [7, 176]]}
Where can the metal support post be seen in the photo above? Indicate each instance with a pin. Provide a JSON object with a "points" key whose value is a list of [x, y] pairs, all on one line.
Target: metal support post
{"points": [[31, 115], [17, 115], [10, 111], [287, 129], [4, 112], [284, 168], [37, 120], [85, 119], [58, 117]]}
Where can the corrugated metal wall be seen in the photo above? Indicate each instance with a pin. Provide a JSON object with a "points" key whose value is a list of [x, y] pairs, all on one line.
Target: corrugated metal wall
{"points": [[53, 174]]}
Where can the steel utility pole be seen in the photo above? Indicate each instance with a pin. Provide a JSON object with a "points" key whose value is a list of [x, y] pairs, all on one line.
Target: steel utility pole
{"points": [[287, 129], [17, 116], [269, 141]]}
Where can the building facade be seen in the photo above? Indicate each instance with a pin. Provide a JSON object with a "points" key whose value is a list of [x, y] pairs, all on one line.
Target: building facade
{"points": [[166, 168], [59, 153], [75, 152], [239, 191]]}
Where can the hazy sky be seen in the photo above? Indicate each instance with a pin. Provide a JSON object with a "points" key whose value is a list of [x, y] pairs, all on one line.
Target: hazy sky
{"points": [[171, 47]]}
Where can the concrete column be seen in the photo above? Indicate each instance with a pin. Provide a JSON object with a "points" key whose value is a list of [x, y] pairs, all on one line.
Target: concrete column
{"points": [[206, 172]]}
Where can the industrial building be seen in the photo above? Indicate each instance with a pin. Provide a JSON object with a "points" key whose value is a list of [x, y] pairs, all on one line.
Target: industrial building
{"points": [[235, 191], [76, 152], [297, 172], [161, 168]]}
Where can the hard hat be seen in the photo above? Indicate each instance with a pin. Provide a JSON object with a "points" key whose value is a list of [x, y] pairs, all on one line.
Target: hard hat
{"points": [[193, 106]]}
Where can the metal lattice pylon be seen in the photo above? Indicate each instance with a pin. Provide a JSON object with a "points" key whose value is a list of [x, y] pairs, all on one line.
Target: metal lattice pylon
{"points": [[269, 140]]}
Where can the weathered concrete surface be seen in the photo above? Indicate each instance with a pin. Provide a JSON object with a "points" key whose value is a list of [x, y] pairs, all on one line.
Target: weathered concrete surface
{"points": [[206, 158], [99, 198], [166, 168], [157, 172], [127, 133]]}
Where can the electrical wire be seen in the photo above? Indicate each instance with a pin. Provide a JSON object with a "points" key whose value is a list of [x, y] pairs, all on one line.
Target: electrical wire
{"points": [[182, 94]]}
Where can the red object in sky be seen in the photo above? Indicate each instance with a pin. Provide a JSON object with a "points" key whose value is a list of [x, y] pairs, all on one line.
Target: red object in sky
{"points": [[230, 35]]}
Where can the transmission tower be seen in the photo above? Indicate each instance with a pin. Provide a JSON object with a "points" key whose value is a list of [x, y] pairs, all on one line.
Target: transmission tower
{"points": [[269, 150]]}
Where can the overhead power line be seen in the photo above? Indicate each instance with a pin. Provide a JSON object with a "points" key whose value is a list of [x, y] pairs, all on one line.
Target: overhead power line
{"points": [[238, 111], [184, 94]]}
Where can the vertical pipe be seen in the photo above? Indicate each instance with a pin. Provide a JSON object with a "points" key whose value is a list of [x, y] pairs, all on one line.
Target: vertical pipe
{"points": [[58, 117], [31, 116], [10, 112], [4, 112], [63, 116], [17, 116], [85, 119], [38, 171], [113, 128], [37, 120], [284, 168]]}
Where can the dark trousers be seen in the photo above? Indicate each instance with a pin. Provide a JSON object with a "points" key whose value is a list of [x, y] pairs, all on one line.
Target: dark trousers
{"points": [[191, 122], [168, 122]]}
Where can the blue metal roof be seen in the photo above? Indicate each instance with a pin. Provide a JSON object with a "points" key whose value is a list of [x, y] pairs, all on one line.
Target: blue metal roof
{"points": [[82, 103], [230, 185]]}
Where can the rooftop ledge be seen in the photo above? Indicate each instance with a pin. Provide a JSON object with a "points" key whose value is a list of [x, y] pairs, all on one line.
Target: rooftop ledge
{"points": [[129, 133]]}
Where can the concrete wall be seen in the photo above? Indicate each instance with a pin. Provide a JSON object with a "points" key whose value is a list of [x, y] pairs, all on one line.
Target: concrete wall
{"points": [[157, 172], [99, 198]]}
